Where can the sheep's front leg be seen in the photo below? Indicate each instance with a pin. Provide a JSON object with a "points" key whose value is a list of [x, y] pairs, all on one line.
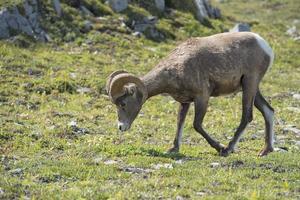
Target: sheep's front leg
{"points": [[182, 111], [200, 110]]}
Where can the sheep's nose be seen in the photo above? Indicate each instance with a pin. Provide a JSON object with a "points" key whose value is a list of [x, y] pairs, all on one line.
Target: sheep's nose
{"points": [[122, 126]]}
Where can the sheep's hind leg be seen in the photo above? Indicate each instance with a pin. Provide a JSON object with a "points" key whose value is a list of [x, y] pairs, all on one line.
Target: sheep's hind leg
{"points": [[182, 111], [200, 110], [268, 113], [250, 87]]}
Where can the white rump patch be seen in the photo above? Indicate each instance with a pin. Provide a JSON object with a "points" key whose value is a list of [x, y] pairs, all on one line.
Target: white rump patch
{"points": [[266, 47]]}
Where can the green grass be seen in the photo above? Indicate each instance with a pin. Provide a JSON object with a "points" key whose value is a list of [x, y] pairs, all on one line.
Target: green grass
{"points": [[5, 3], [43, 157]]}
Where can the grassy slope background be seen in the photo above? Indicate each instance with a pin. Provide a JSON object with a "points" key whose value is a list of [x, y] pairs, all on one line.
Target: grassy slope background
{"points": [[44, 157]]}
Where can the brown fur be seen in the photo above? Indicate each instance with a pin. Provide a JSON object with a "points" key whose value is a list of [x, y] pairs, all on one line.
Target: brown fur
{"points": [[211, 65], [197, 69]]}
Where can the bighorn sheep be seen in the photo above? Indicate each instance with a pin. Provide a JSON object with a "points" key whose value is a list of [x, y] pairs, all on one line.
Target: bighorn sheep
{"points": [[197, 69]]}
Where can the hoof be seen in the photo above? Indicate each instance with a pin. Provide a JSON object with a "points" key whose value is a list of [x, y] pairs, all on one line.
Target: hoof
{"points": [[225, 152], [265, 151], [173, 150]]}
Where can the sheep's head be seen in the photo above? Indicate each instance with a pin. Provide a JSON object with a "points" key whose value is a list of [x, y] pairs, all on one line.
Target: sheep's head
{"points": [[128, 93]]}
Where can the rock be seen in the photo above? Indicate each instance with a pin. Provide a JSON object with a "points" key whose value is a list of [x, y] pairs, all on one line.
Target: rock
{"points": [[86, 11], [73, 75], [166, 165], [160, 4], [293, 130], [28, 8], [83, 90], [254, 136], [33, 20], [87, 26], [57, 7], [214, 165], [16, 172], [294, 109], [110, 162], [147, 27], [241, 27], [98, 160], [73, 123], [4, 32], [296, 96], [281, 149], [292, 31], [205, 10], [136, 170], [47, 37], [180, 162], [200, 194], [118, 5], [179, 198], [201, 6], [13, 22], [137, 34]]}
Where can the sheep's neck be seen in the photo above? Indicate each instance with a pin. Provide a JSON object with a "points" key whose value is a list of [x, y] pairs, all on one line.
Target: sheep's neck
{"points": [[154, 83]]}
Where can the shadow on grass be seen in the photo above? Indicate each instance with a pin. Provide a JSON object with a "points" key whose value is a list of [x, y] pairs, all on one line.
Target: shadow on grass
{"points": [[174, 156]]}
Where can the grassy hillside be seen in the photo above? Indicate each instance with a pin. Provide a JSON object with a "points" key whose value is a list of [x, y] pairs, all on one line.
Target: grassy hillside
{"points": [[58, 135]]}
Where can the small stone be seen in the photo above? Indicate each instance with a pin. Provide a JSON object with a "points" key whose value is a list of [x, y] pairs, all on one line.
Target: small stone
{"points": [[296, 96], [293, 130], [292, 31], [281, 149], [1, 191], [118, 5], [200, 194], [86, 11], [73, 123], [254, 137], [47, 37], [28, 8], [137, 34], [179, 198], [166, 165], [179, 161], [241, 27], [294, 109], [83, 90], [17, 171], [98, 160], [87, 26], [110, 162], [160, 4], [136, 170], [4, 32], [214, 165], [73, 75], [57, 7]]}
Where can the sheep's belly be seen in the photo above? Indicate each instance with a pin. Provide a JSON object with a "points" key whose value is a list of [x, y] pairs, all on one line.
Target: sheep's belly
{"points": [[182, 98], [226, 87]]}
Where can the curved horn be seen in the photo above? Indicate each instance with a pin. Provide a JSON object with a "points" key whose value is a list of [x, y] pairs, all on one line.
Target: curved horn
{"points": [[117, 86], [111, 76]]}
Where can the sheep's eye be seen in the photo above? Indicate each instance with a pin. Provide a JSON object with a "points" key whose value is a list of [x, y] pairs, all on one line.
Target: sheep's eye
{"points": [[122, 104]]}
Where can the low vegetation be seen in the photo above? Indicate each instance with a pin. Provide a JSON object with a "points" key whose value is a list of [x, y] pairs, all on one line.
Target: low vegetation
{"points": [[58, 134]]}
